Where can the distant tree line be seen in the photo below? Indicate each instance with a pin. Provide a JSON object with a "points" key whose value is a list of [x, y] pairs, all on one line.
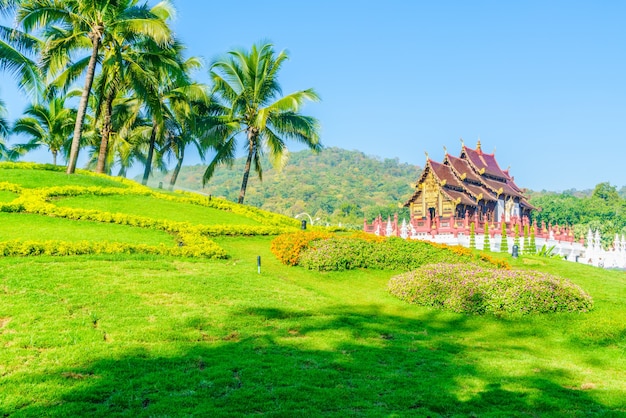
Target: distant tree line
{"points": [[603, 209]]}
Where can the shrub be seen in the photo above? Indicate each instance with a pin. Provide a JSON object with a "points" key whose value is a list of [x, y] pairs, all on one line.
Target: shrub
{"points": [[486, 241], [504, 243], [389, 254], [287, 247], [468, 288]]}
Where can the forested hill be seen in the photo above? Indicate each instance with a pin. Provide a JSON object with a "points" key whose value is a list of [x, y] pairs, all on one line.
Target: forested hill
{"points": [[335, 185]]}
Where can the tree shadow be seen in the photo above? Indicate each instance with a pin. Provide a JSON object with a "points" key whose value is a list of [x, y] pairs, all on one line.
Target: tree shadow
{"points": [[343, 361]]}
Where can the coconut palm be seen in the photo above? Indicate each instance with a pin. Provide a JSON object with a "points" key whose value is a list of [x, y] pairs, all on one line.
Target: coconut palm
{"points": [[74, 25], [48, 125], [184, 126], [245, 85], [4, 132], [17, 52], [169, 95]]}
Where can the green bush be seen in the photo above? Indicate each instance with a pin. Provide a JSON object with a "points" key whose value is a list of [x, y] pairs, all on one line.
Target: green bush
{"points": [[474, 289], [391, 254]]}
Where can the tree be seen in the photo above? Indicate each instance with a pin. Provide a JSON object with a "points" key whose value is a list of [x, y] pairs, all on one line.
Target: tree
{"points": [[75, 25], [47, 125], [246, 87], [4, 132], [504, 243], [606, 192], [17, 52], [486, 240]]}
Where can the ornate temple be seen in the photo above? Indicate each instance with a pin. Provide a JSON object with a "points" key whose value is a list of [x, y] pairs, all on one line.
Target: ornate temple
{"points": [[472, 185], [472, 192]]}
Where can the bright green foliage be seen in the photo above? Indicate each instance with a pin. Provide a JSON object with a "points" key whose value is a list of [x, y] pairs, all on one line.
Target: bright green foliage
{"points": [[467, 288], [192, 240], [504, 243], [472, 237], [516, 240], [47, 125], [532, 247], [156, 335], [338, 254], [486, 238], [526, 240], [250, 101]]}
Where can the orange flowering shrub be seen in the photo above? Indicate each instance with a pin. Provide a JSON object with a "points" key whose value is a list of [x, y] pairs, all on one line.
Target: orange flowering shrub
{"points": [[366, 236], [287, 247]]}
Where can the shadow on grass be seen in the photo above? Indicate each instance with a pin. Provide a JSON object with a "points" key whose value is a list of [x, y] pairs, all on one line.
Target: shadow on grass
{"points": [[345, 361]]}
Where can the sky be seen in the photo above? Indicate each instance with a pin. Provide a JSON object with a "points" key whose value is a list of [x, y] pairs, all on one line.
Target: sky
{"points": [[541, 83]]}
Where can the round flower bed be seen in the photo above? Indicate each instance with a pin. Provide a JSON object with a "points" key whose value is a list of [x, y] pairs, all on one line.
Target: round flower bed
{"points": [[469, 288]]}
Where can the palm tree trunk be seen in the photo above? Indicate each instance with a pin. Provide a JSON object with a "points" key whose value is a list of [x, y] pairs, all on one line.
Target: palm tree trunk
{"points": [[82, 107], [54, 157], [146, 172], [106, 131], [246, 170], [176, 171]]}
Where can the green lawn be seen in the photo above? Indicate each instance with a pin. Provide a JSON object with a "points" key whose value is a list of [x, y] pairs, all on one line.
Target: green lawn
{"points": [[27, 227], [36, 178], [156, 208], [7, 196], [138, 335], [142, 336]]}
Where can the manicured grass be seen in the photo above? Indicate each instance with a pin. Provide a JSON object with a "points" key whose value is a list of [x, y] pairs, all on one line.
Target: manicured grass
{"points": [[143, 336], [156, 208], [7, 196], [26, 227], [138, 335], [40, 178]]}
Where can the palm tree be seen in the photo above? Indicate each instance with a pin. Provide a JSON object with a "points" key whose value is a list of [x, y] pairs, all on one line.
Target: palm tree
{"points": [[17, 52], [47, 125], [89, 25], [4, 132], [245, 85], [169, 93], [184, 125]]}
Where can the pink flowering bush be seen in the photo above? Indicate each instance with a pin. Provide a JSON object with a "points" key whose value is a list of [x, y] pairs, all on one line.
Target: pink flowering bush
{"points": [[468, 288]]}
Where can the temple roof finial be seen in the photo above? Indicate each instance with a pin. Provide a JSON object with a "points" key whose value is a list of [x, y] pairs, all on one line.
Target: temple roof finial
{"points": [[478, 145], [462, 143], [427, 157], [445, 150]]}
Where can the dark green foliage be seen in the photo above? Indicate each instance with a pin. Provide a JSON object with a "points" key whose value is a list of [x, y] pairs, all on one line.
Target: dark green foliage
{"points": [[335, 185], [603, 209]]}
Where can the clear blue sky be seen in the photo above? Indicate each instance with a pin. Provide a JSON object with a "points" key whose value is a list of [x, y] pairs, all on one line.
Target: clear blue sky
{"points": [[542, 82]]}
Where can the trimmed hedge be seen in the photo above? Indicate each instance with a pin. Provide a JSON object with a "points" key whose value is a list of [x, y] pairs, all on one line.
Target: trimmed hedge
{"points": [[468, 288], [207, 249], [193, 239], [329, 252]]}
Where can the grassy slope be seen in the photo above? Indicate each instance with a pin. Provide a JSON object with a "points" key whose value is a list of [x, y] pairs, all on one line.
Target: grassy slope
{"points": [[145, 336]]}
